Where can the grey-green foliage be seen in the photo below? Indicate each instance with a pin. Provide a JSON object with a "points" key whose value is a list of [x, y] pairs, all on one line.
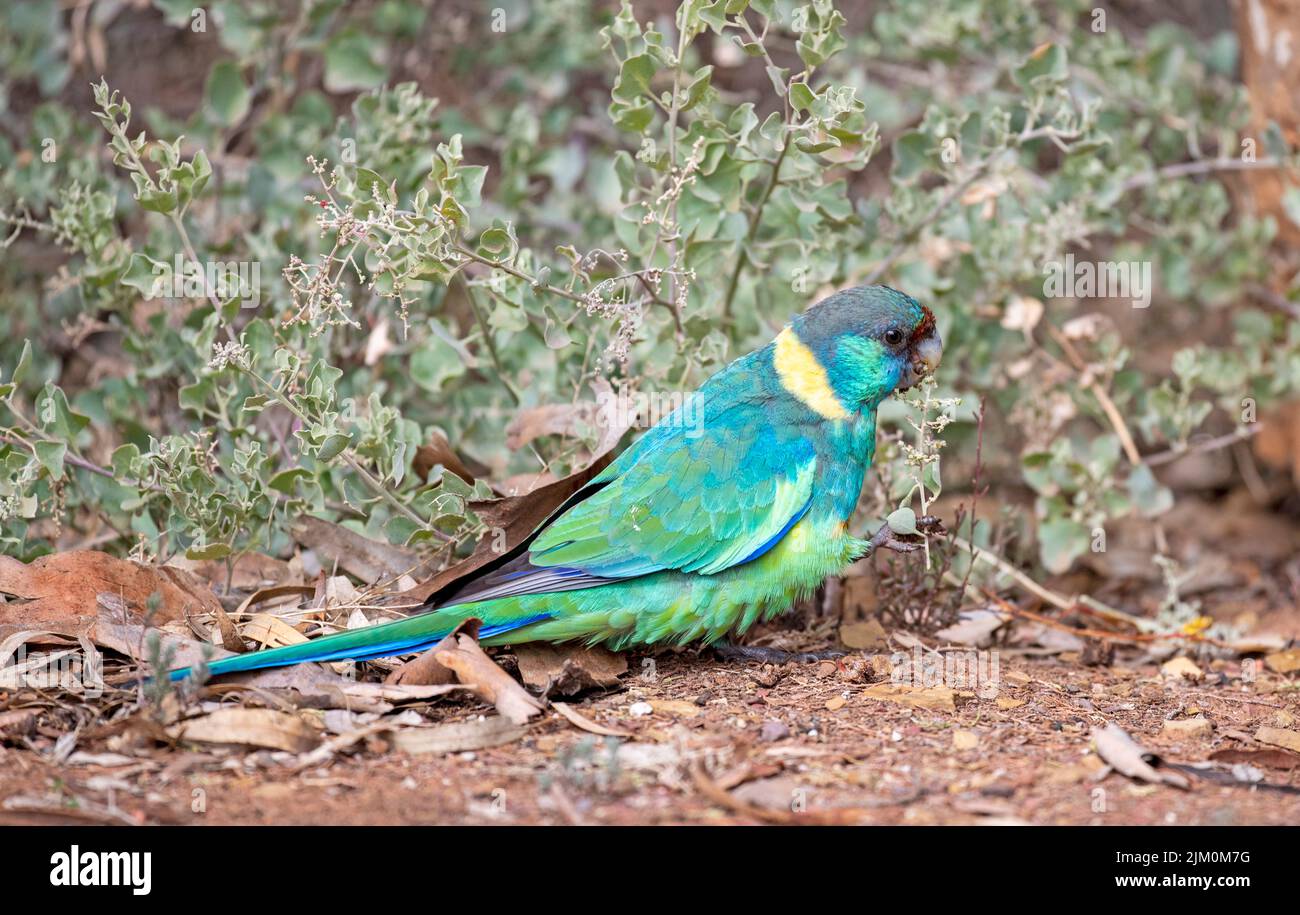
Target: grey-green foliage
{"points": [[431, 265]]}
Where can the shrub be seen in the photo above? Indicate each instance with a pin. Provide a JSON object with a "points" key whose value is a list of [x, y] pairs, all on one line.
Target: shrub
{"points": [[265, 308]]}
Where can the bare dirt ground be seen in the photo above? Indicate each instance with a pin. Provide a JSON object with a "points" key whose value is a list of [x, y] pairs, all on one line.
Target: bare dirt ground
{"points": [[741, 742], [1029, 708]]}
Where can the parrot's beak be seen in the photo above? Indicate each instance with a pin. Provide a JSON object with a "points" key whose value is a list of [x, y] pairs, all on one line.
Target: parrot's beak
{"points": [[926, 355]]}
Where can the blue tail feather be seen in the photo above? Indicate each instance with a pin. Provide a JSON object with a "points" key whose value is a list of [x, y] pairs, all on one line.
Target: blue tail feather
{"points": [[356, 644]]}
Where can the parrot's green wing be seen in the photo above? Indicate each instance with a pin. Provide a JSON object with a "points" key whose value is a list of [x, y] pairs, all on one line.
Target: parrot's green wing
{"points": [[696, 503]]}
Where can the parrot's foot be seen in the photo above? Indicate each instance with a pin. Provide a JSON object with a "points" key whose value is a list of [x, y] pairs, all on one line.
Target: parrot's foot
{"points": [[729, 652], [886, 539]]}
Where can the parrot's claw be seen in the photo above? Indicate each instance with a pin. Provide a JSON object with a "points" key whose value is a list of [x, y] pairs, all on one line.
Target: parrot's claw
{"points": [[729, 652]]}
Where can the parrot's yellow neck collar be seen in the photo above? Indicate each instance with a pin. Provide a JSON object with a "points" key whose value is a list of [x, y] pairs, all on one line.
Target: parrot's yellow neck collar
{"points": [[805, 377]]}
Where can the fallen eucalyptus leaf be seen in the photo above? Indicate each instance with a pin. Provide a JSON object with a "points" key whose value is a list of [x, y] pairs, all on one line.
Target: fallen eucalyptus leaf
{"points": [[459, 736], [1123, 754], [567, 670], [481, 674], [582, 722], [935, 698], [255, 727], [1279, 737]]}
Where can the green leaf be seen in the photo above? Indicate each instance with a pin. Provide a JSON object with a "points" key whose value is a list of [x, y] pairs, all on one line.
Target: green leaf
{"points": [[1103, 454], [51, 455], [24, 363], [333, 446], [1060, 542], [256, 403], [698, 87], [400, 529], [124, 459], [714, 15], [1047, 63], [196, 176], [931, 478], [555, 333], [435, 363], [1149, 497], [802, 96], [634, 77], [507, 316], [285, 479], [226, 93], [495, 241], [158, 201], [902, 521], [778, 76], [469, 185], [911, 154], [813, 148], [151, 278], [195, 396], [55, 416], [210, 551], [352, 63], [634, 117], [369, 182]]}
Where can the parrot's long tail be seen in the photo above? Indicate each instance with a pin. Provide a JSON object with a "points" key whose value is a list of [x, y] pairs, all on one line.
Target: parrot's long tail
{"points": [[404, 636]]}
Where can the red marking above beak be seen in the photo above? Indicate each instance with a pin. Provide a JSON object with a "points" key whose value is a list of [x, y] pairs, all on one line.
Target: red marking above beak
{"points": [[923, 329]]}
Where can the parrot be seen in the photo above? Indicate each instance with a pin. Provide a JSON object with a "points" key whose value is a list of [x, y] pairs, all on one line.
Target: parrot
{"points": [[696, 531]]}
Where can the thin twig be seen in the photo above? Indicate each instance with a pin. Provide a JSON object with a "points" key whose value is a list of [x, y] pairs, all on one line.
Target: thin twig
{"points": [[755, 219], [518, 274], [1048, 595], [774, 176], [488, 342], [673, 113], [1101, 634], [975, 489], [1274, 300], [75, 461], [1199, 167], [1240, 434], [1103, 396]]}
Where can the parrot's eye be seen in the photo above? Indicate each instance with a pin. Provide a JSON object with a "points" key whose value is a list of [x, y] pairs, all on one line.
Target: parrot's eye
{"points": [[894, 337]]}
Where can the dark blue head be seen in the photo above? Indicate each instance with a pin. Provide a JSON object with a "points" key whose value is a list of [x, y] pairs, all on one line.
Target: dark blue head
{"points": [[857, 347]]}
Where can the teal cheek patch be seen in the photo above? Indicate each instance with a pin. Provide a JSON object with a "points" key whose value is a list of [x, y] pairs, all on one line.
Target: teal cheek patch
{"points": [[862, 371]]}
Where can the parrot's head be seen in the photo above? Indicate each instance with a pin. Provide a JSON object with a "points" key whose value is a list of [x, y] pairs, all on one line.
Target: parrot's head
{"points": [[864, 343]]}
